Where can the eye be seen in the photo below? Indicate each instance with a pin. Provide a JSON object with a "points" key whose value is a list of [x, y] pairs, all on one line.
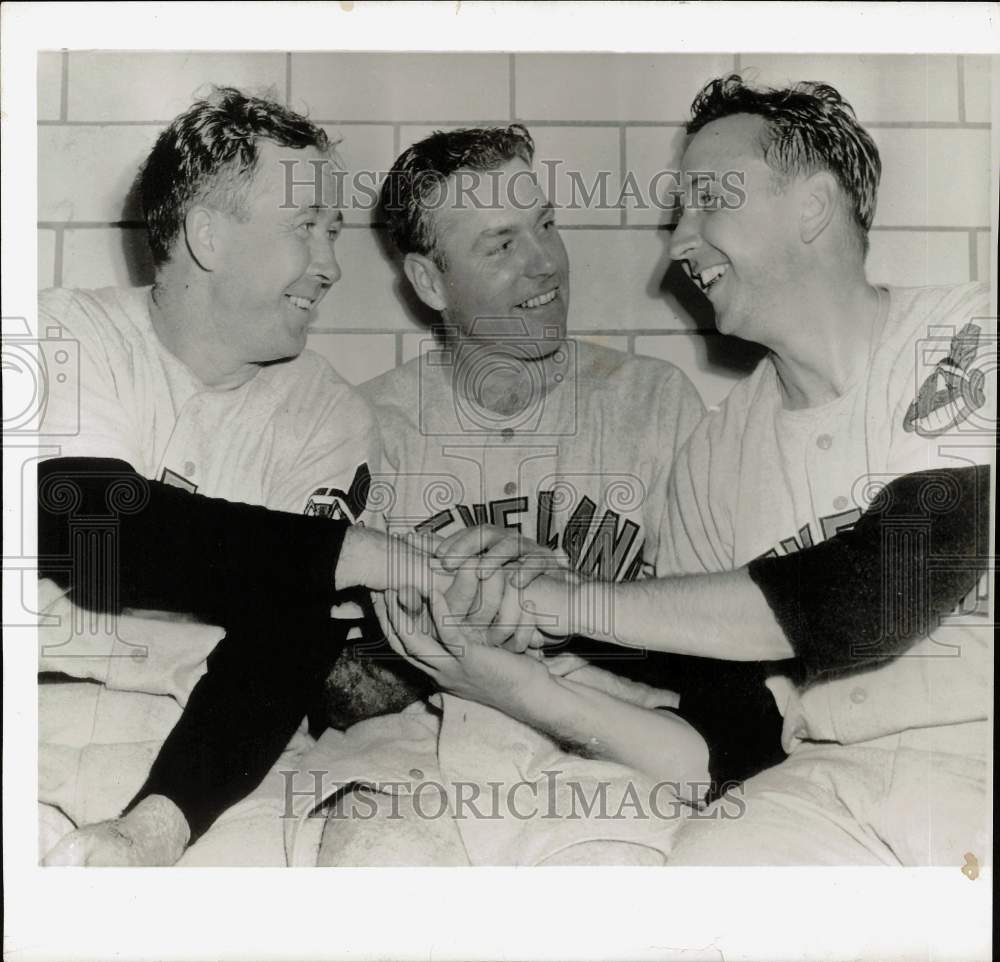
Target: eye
{"points": [[502, 248], [549, 223]]}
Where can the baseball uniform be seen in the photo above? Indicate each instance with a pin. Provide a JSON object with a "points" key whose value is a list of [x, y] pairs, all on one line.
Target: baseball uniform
{"points": [[294, 439], [758, 480], [583, 469]]}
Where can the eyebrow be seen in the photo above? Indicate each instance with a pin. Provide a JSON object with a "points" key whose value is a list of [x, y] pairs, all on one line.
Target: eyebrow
{"points": [[338, 216], [493, 232]]}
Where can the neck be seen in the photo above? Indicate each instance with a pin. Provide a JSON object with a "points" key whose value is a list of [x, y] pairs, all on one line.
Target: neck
{"points": [[826, 339], [182, 314]]}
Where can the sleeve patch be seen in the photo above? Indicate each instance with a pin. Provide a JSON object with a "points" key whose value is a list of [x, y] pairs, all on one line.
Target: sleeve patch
{"points": [[338, 505], [952, 392]]}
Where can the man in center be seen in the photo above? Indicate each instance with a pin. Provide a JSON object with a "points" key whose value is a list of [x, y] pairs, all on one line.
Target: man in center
{"points": [[503, 424], [502, 420]]}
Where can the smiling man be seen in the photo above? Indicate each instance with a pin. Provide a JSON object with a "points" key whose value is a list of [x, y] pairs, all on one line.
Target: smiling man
{"points": [[862, 384], [198, 432], [503, 420], [539, 446]]}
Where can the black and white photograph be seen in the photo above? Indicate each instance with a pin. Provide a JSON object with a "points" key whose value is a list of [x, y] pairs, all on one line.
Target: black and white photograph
{"points": [[566, 461]]}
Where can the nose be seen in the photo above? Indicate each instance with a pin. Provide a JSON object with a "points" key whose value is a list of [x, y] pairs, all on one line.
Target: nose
{"points": [[542, 260], [324, 262], [685, 238]]}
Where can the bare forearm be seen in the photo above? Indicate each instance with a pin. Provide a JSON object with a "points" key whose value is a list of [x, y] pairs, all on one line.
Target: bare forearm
{"points": [[720, 615], [597, 725]]}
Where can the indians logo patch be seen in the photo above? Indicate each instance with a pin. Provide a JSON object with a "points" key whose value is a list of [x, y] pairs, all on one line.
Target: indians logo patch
{"points": [[338, 505], [952, 392]]}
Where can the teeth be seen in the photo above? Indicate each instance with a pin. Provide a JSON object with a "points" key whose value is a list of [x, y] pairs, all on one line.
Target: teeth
{"points": [[541, 300], [711, 274], [303, 303]]}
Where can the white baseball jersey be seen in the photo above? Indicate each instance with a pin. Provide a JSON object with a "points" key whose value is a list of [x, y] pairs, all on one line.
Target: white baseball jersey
{"points": [[583, 470], [292, 438], [757, 479]]}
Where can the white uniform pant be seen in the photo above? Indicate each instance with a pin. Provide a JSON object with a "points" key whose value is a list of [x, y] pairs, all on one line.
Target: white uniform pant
{"points": [[831, 804]]}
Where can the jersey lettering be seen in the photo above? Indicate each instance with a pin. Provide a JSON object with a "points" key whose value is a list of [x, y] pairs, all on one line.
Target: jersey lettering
{"points": [[606, 554], [829, 524], [467, 517], [176, 480], [603, 547], [501, 511]]}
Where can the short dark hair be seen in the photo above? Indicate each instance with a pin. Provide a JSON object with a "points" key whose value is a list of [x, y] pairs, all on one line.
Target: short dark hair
{"points": [[809, 127], [209, 153], [421, 169]]}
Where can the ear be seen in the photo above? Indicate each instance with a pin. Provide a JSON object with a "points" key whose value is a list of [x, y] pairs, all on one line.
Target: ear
{"points": [[202, 236], [426, 279], [820, 199]]}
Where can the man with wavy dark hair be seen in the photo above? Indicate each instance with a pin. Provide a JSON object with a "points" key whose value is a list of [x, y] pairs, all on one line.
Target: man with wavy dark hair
{"points": [[197, 396], [807, 128]]}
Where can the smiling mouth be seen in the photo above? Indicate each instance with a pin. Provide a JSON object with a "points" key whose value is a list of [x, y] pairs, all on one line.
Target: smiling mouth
{"points": [[705, 280], [302, 303], [532, 303]]}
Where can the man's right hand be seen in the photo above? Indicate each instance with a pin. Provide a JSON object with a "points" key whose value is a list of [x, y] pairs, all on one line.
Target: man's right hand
{"points": [[377, 561], [155, 832]]}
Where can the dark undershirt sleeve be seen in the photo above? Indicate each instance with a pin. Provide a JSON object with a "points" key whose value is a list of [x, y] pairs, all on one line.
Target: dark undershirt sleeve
{"points": [[119, 540], [867, 594], [240, 716]]}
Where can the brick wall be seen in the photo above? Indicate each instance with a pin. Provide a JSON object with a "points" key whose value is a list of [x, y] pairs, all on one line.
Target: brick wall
{"points": [[930, 115]]}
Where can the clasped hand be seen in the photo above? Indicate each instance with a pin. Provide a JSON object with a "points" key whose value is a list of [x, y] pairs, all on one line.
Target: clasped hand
{"points": [[484, 575]]}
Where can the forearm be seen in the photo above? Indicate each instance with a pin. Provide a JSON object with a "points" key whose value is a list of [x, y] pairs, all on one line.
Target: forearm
{"points": [[597, 725], [713, 616], [835, 605]]}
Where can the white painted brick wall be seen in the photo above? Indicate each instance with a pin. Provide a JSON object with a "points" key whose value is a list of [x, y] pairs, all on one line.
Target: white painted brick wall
{"points": [[153, 86], [977, 89], [358, 357], [105, 257], [400, 86], [615, 87], [912, 258], [49, 85], [986, 257], [652, 153], [879, 88], [934, 178], [85, 173], [46, 259], [368, 148]]}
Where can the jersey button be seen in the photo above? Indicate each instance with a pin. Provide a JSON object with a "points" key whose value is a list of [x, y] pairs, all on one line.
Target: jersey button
{"points": [[824, 442], [840, 503], [189, 468], [859, 696], [416, 773], [507, 434], [509, 487]]}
